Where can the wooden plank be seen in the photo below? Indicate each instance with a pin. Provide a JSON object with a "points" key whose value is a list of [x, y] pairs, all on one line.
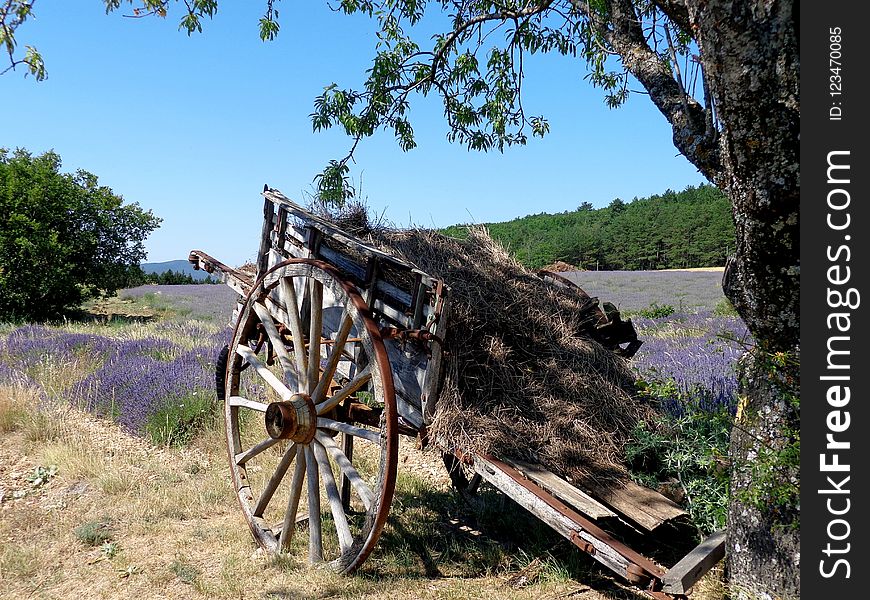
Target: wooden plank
{"points": [[265, 237], [367, 434], [644, 506], [562, 524], [695, 564], [563, 490]]}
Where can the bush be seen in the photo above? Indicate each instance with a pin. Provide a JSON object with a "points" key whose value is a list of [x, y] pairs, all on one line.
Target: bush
{"points": [[95, 533], [178, 421], [63, 237], [724, 308], [657, 311], [690, 448]]}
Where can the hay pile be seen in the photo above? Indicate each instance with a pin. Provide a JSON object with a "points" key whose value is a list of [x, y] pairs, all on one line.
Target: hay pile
{"points": [[519, 383], [561, 266]]}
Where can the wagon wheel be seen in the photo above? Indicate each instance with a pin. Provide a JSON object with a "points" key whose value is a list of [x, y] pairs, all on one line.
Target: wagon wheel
{"points": [[307, 361]]}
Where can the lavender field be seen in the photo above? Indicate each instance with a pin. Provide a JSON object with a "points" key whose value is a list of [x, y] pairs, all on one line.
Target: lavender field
{"points": [[631, 291], [136, 372], [155, 379]]}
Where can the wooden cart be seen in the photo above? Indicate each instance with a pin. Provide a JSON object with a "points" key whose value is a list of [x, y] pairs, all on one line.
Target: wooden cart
{"points": [[337, 348]]}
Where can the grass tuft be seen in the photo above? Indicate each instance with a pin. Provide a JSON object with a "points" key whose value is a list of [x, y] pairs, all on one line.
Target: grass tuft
{"points": [[186, 572], [96, 532], [15, 407]]}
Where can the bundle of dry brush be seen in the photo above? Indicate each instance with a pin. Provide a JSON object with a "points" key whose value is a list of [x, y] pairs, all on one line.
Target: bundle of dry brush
{"points": [[520, 381]]}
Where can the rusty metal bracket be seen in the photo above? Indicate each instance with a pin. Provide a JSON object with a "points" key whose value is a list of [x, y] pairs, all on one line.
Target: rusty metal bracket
{"points": [[421, 337]]}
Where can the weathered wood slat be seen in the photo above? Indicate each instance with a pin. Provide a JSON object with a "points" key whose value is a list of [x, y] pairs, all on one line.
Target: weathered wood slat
{"points": [[287, 293], [563, 525], [243, 457], [252, 404], [366, 434], [315, 541], [240, 282], [345, 537], [290, 516], [329, 370], [644, 506], [563, 490], [362, 488], [264, 372], [352, 386], [695, 564], [276, 339], [274, 480]]}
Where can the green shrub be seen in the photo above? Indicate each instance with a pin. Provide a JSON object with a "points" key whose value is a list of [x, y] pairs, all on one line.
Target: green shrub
{"points": [[690, 448], [724, 308], [180, 420], [657, 311], [95, 533], [187, 573]]}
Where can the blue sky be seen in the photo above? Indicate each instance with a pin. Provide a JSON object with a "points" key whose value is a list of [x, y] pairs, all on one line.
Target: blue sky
{"points": [[192, 127]]}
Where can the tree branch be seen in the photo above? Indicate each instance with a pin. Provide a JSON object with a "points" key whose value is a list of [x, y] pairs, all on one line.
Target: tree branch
{"points": [[687, 118], [677, 12], [503, 15]]}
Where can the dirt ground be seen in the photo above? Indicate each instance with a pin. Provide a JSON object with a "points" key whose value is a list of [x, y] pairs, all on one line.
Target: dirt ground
{"points": [[172, 529]]}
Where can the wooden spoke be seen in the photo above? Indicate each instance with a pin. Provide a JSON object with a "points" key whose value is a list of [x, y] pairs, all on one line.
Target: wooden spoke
{"points": [[288, 294], [264, 372], [366, 434], [252, 404], [243, 457], [362, 488], [289, 525], [352, 386], [338, 347], [284, 358], [315, 332], [315, 541], [276, 478], [347, 451], [345, 538]]}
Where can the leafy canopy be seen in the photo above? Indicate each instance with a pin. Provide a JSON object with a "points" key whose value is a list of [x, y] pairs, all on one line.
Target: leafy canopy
{"points": [[63, 237]]}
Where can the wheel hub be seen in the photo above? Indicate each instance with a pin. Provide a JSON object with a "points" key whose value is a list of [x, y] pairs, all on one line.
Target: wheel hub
{"points": [[294, 420]]}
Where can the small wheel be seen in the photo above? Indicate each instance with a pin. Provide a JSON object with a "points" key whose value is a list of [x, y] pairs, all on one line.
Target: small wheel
{"points": [[307, 362]]}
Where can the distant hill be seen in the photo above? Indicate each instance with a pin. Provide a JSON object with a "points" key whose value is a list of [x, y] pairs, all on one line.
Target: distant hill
{"points": [[179, 266], [671, 230]]}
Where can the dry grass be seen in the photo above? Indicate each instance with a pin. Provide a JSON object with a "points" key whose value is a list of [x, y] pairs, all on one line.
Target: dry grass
{"points": [[176, 531]]}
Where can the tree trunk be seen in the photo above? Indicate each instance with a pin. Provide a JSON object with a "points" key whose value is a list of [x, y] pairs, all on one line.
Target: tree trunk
{"points": [[763, 531], [750, 54]]}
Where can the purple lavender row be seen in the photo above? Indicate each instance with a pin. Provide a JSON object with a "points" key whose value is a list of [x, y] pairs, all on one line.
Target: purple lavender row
{"points": [[699, 352], [129, 380]]}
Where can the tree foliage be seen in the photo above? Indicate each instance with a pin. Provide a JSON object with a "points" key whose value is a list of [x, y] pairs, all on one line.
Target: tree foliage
{"points": [[63, 237], [13, 14], [692, 228], [168, 277]]}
